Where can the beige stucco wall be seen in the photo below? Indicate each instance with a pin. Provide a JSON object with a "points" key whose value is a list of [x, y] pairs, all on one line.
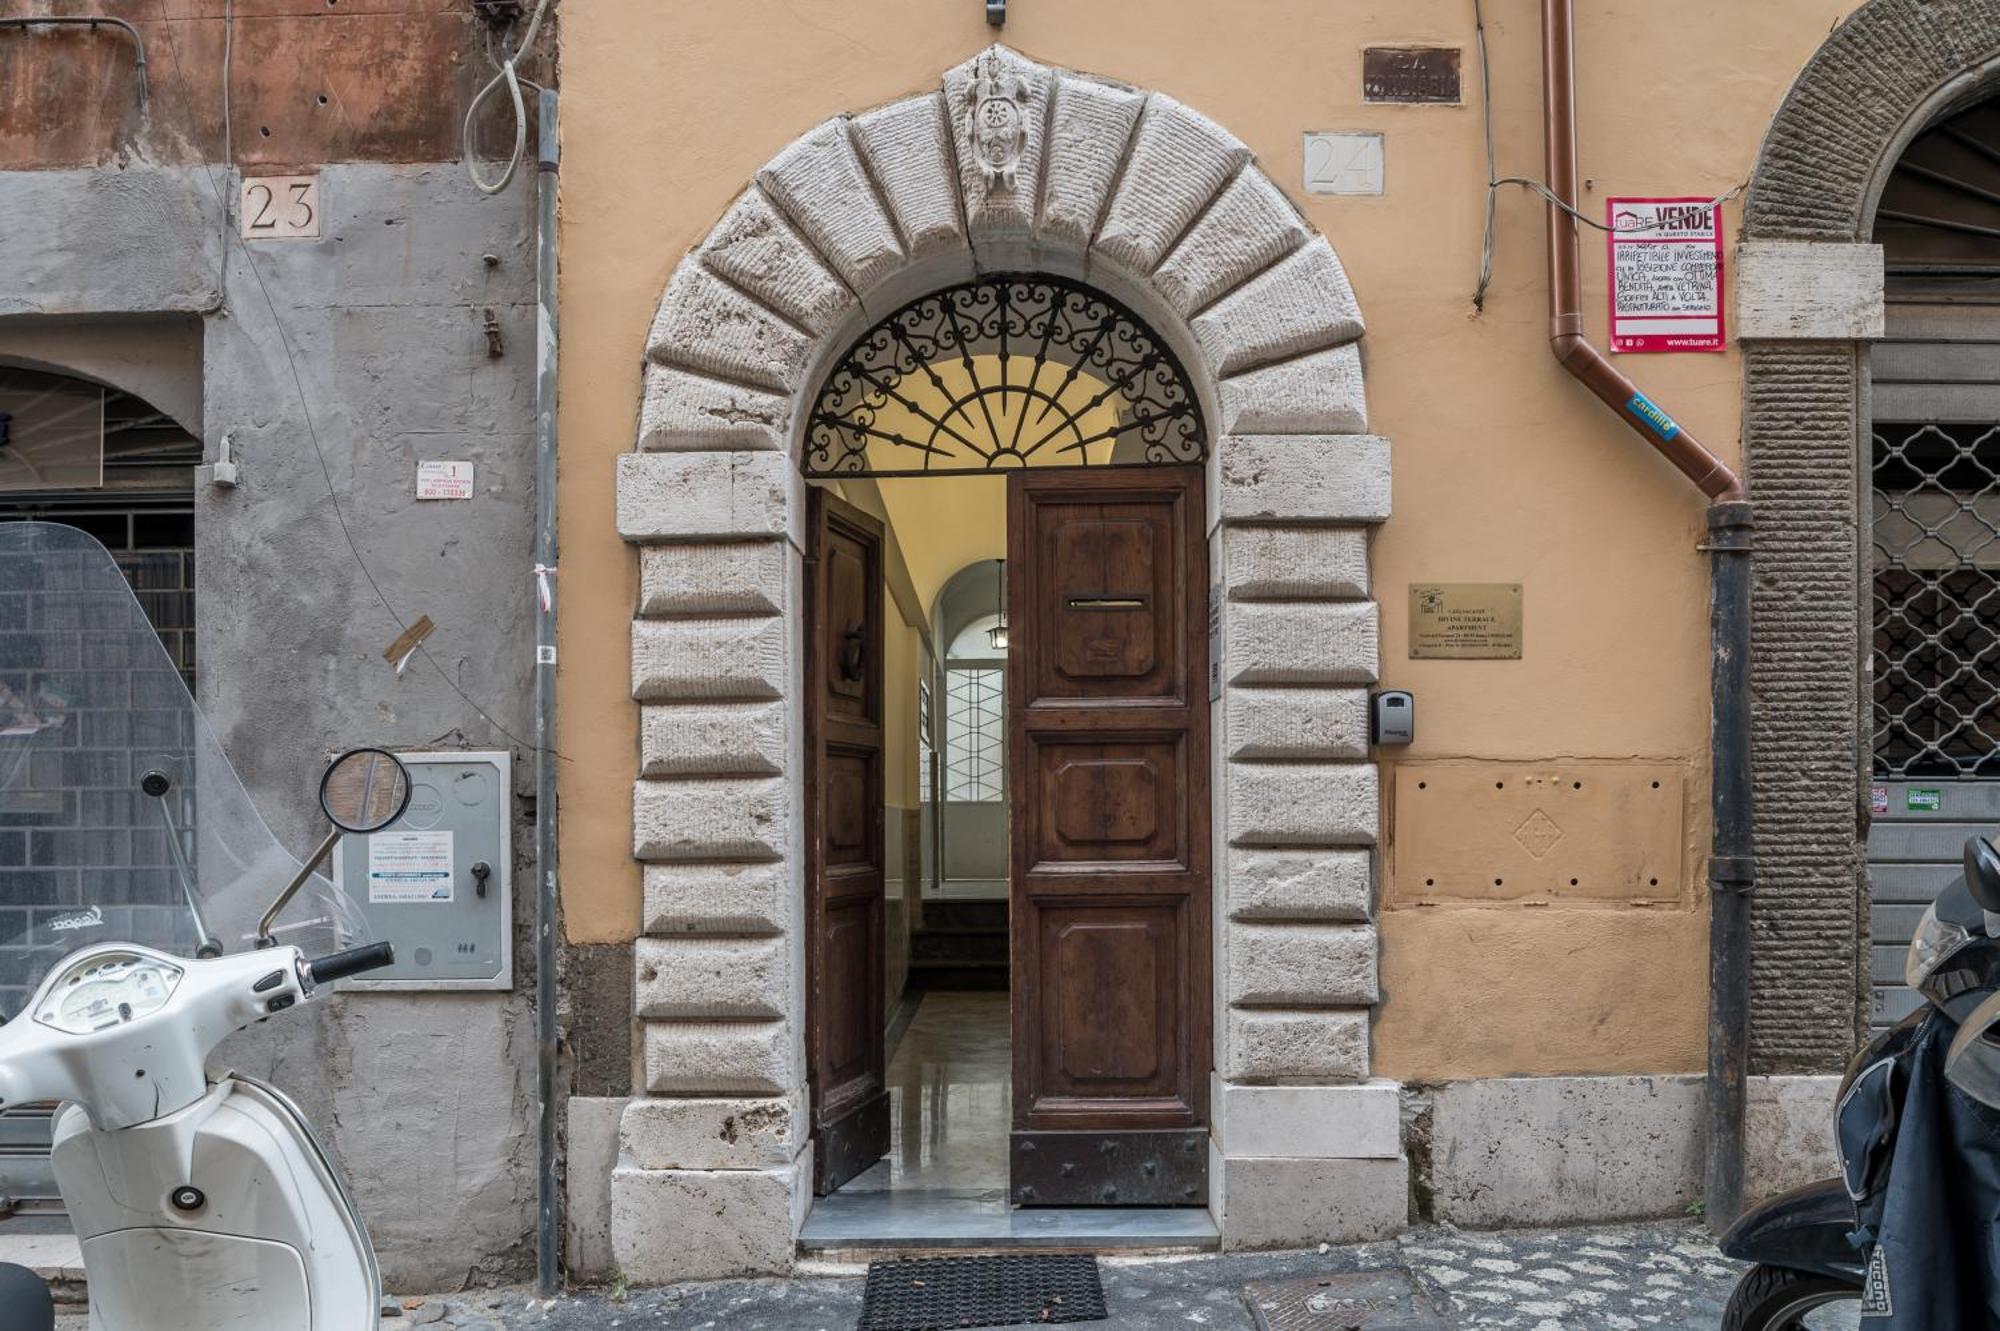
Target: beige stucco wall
{"points": [[1504, 469]]}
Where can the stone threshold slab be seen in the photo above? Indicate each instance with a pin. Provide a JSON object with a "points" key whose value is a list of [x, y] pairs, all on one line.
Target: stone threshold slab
{"points": [[937, 1218]]}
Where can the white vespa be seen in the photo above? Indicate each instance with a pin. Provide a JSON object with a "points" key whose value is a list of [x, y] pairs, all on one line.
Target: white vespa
{"points": [[200, 1196]]}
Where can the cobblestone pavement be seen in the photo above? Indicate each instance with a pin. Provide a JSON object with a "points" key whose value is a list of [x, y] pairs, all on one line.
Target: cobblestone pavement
{"points": [[1601, 1278]]}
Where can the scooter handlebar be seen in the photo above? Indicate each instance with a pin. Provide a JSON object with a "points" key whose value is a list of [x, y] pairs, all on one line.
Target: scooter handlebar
{"points": [[354, 961]]}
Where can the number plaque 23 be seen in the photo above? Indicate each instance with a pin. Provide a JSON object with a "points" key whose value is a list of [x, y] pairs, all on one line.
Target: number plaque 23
{"points": [[279, 208]]}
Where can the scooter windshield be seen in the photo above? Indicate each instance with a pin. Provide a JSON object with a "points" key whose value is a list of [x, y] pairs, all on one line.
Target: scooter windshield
{"points": [[120, 818]]}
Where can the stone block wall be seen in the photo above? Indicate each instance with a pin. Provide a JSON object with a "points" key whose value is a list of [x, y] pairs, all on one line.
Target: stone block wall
{"points": [[1810, 297]]}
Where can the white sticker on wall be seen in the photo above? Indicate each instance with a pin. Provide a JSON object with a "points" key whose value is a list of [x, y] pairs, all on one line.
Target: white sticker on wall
{"points": [[279, 208], [444, 480], [1343, 163], [406, 867]]}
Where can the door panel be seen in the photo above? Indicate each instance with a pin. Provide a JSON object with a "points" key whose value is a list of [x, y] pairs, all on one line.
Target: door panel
{"points": [[1108, 802], [845, 1053], [1108, 746]]}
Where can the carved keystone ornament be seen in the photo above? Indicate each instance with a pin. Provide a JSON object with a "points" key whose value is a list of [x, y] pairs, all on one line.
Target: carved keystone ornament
{"points": [[996, 121]]}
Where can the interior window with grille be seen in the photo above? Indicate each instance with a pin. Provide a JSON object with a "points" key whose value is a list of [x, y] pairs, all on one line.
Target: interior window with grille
{"points": [[1937, 599], [974, 731]]}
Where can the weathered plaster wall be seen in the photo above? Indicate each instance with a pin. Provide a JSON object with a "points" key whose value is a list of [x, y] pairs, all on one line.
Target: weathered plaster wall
{"points": [[1505, 469], [431, 1097], [307, 82], [426, 1099]]}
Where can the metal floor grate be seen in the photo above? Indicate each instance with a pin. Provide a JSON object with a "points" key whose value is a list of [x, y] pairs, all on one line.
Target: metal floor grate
{"points": [[1384, 1300], [940, 1293]]}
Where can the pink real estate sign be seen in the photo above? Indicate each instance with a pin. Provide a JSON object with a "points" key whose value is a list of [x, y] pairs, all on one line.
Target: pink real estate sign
{"points": [[1665, 257]]}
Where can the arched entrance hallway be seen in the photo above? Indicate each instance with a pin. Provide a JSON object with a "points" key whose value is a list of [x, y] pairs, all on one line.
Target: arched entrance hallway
{"points": [[1218, 765]]}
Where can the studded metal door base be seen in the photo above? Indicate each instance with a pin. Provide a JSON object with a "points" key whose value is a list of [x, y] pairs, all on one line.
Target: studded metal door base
{"points": [[1385, 1300], [938, 1293]]}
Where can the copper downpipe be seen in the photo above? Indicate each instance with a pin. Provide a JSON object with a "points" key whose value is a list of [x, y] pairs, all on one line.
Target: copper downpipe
{"points": [[1566, 337]]}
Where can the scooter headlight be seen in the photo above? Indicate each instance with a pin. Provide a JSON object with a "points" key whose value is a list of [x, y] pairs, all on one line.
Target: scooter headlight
{"points": [[1933, 945]]}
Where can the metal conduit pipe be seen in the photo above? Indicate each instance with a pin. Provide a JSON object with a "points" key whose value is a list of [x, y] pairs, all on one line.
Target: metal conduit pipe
{"points": [[548, 1189], [91, 21], [1731, 849]]}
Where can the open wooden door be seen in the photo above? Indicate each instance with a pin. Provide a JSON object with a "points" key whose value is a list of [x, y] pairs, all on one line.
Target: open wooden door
{"points": [[1109, 878], [845, 1046]]}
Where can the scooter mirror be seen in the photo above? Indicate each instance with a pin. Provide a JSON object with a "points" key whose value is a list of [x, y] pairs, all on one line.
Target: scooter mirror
{"points": [[364, 790], [1982, 873]]}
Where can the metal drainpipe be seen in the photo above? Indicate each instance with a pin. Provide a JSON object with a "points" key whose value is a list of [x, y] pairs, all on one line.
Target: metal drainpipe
{"points": [[1729, 523], [549, 1195]]}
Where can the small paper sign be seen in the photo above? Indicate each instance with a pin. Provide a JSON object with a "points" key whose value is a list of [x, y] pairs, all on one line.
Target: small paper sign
{"points": [[405, 868], [1666, 274], [444, 480], [1924, 800], [1878, 799]]}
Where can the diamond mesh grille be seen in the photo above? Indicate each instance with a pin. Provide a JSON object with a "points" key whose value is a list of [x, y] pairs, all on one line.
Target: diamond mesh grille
{"points": [[1937, 600]]}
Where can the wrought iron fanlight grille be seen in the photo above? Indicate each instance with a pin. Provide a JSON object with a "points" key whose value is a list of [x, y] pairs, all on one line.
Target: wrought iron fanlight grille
{"points": [[1006, 371]]}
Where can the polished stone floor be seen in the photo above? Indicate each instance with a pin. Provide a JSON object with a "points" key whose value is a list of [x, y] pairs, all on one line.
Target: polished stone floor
{"points": [[950, 1079], [944, 1181]]}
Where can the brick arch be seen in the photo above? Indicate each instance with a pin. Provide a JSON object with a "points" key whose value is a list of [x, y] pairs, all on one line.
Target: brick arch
{"points": [[1810, 299], [1140, 196]]}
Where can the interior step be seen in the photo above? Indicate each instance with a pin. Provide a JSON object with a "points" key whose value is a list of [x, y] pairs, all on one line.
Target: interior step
{"points": [[979, 913], [959, 976], [928, 944]]}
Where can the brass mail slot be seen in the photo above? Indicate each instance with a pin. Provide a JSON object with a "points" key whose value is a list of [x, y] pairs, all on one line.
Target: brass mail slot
{"points": [[1107, 603]]}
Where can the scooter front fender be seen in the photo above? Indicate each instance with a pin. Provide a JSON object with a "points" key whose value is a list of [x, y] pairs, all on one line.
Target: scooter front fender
{"points": [[1805, 1229]]}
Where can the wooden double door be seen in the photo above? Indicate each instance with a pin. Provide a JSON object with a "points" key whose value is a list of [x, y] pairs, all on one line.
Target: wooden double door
{"points": [[1109, 849]]}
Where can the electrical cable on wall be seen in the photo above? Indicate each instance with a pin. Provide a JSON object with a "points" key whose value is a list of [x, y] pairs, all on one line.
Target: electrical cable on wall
{"points": [[512, 80], [1494, 180]]}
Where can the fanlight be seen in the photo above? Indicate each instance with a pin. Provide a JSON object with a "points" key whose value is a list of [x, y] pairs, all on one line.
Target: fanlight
{"points": [[1005, 371]]}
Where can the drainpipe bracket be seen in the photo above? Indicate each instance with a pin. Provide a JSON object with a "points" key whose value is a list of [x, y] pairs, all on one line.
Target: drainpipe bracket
{"points": [[1732, 873]]}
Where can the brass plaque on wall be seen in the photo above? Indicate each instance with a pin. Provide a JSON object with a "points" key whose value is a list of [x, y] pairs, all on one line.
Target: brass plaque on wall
{"points": [[1410, 74], [1561, 832], [1465, 621]]}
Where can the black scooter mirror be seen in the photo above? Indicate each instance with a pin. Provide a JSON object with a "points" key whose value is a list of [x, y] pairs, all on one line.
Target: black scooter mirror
{"points": [[1982, 873]]}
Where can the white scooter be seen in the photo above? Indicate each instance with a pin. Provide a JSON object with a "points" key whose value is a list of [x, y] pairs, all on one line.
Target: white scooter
{"points": [[201, 1198]]}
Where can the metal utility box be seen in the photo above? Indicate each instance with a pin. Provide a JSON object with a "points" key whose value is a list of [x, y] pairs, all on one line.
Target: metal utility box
{"points": [[439, 882]]}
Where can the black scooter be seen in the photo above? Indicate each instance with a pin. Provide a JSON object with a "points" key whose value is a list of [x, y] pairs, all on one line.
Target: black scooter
{"points": [[1823, 1245]]}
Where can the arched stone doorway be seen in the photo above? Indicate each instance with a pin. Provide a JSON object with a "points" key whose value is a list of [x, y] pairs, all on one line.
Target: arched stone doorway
{"points": [[1811, 301], [1011, 167]]}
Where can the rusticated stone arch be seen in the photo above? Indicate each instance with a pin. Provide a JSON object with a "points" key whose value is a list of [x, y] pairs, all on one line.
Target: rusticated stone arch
{"points": [[1137, 195], [1810, 300]]}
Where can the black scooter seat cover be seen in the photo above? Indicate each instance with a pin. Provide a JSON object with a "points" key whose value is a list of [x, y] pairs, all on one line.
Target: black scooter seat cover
{"points": [[1936, 1261], [1805, 1229], [25, 1304]]}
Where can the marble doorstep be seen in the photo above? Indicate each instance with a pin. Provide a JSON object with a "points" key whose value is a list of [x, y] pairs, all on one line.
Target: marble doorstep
{"points": [[940, 1218]]}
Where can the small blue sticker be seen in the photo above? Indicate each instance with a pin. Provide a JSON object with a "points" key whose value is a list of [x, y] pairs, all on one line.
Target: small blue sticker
{"points": [[1663, 425]]}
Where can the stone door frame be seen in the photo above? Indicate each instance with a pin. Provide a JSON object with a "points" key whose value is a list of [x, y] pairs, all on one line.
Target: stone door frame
{"points": [[1810, 297], [1009, 166]]}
